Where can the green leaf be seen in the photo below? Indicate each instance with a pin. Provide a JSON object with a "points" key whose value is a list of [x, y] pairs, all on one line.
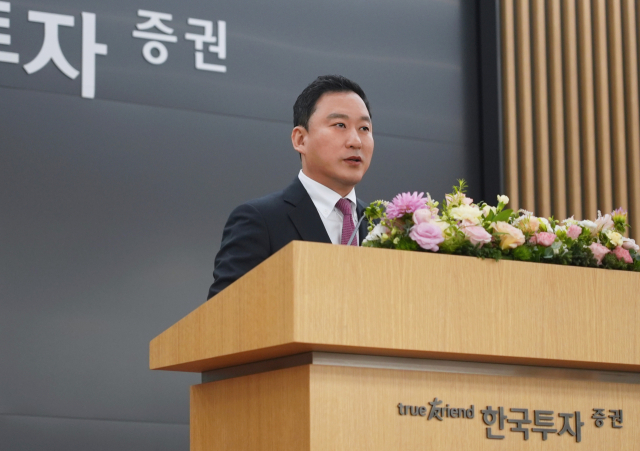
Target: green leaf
{"points": [[503, 216]]}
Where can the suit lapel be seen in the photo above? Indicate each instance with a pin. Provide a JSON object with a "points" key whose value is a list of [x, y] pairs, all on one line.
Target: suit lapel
{"points": [[363, 231], [303, 213], [306, 219]]}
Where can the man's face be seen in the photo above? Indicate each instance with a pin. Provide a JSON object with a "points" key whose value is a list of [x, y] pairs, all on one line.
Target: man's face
{"points": [[337, 149]]}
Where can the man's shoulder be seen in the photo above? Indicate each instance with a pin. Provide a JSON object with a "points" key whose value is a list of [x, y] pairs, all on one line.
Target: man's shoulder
{"points": [[268, 201], [279, 199], [265, 206]]}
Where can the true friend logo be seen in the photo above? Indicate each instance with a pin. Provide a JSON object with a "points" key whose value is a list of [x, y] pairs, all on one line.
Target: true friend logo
{"points": [[437, 411]]}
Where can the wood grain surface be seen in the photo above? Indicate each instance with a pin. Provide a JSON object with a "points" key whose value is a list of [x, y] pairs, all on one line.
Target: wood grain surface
{"points": [[267, 411], [356, 409], [324, 408], [412, 304]]}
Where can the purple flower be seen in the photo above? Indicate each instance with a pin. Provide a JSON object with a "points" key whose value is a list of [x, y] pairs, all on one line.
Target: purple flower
{"points": [[405, 203], [619, 214], [427, 235]]}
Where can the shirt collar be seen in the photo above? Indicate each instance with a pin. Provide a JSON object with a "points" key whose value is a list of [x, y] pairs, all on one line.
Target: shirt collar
{"points": [[324, 198]]}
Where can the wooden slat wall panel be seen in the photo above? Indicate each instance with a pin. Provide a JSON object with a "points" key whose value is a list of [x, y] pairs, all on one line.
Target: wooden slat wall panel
{"points": [[541, 108], [574, 168], [572, 106], [587, 111], [603, 118], [525, 105], [556, 105], [632, 97], [510, 127], [618, 131]]}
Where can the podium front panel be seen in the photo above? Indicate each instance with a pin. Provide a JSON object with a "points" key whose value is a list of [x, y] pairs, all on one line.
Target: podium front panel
{"points": [[339, 407]]}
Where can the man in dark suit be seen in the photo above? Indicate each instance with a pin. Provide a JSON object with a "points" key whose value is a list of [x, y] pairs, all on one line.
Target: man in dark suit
{"points": [[333, 135]]}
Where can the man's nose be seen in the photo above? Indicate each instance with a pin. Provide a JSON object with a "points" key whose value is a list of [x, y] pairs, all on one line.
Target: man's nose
{"points": [[353, 139]]}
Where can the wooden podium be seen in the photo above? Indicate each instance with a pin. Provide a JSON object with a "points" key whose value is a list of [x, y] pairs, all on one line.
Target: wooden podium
{"points": [[326, 347]]}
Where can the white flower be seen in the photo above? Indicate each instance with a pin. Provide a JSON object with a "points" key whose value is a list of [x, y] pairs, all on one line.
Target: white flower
{"points": [[570, 221], [590, 225], [376, 233], [546, 224], [487, 209], [466, 212], [629, 244], [503, 199], [557, 247], [454, 199], [614, 238], [560, 228]]}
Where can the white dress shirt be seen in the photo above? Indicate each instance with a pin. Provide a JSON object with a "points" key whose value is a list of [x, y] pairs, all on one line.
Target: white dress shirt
{"points": [[325, 200]]}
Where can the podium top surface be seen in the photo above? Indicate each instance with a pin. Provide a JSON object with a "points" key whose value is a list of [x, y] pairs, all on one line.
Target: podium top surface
{"points": [[322, 297]]}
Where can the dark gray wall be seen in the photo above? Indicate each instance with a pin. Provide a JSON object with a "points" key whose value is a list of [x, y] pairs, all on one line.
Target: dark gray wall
{"points": [[112, 209]]}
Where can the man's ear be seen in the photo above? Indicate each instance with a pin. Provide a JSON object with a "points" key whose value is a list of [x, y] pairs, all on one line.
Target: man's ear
{"points": [[299, 139]]}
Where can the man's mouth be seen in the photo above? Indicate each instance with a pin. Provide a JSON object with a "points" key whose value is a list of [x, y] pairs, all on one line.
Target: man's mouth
{"points": [[354, 159]]}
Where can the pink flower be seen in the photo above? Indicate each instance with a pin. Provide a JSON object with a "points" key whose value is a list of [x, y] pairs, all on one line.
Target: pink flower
{"points": [[622, 254], [529, 224], [604, 223], [405, 203], [427, 235], [545, 239], [510, 237], [574, 231], [477, 235], [467, 201], [423, 215], [599, 251]]}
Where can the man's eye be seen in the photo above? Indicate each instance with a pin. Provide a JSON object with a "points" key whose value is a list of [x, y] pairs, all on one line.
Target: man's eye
{"points": [[365, 128], [340, 124]]}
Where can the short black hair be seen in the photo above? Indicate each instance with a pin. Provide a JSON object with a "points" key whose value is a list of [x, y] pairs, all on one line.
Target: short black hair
{"points": [[306, 102]]}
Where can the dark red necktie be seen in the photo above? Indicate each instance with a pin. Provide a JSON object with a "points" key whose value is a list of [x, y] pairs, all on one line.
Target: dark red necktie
{"points": [[344, 205]]}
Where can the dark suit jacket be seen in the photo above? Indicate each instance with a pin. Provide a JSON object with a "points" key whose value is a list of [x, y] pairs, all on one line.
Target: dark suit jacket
{"points": [[261, 227]]}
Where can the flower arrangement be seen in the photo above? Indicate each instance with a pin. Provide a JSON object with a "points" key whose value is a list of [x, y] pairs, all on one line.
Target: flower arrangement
{"points": [[412, 221]]}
